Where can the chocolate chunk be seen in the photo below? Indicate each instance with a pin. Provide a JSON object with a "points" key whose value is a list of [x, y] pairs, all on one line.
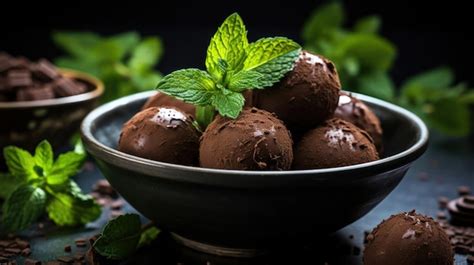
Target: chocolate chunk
{"points": [[81, 242], [470, 260], [30, 94], [464, 190], [45, 70], [65, 87], [79, 256], [26, 252], [117, 205], [103, 187], [6, 62], [32, 262], [54, 263], [67, 248], [15, 251], [443, 202], [19, 78], [22, 243]]}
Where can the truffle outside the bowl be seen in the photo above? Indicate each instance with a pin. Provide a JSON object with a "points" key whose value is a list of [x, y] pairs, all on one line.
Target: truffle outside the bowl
{"points": [[26, 123], [230, 212]]}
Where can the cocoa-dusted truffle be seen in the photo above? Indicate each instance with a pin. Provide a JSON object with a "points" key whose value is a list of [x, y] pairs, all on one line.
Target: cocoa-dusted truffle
{"points": [[408, 239], [256, 140], [306, 96], [358, 113], [162, 134], [163, 100], [335, 143]]}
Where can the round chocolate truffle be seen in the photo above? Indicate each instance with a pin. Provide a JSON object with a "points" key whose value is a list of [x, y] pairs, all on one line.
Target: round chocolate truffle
{"points": [[306, 96], [358, 113], [163, 100], [256, 140], [335, 143], [162, 134], [408, 239]]}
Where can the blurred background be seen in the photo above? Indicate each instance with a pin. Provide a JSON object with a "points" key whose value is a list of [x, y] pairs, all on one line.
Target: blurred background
{"points": [[380, 48]]}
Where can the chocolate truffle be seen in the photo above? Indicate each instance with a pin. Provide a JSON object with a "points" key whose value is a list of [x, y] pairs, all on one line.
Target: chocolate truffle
{"points": [[162, 134], [358, 113], [408, 239], [256, 140], [335, 143], [306, 96], [163, 100]]}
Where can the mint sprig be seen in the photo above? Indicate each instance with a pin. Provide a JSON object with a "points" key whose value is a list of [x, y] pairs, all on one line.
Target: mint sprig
{"points": [[37, 183], [233, 65], [122, 236]]}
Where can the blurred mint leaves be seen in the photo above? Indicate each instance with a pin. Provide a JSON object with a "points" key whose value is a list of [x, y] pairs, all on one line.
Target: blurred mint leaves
{"points": [[38, 183], [124, 62], [232, 66], [364, 58]]}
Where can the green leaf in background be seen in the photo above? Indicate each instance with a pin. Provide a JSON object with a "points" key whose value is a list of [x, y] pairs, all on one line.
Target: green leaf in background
{"points": [[272, 57], [71, 208], [372, 52], [229, 44], [20, 163], [120, 237], [124, 62], [145, 55], [377, 85], [44, 156], [369, 24], [323, 22], [228, 105], [190, 85], [246, 80], [450, 116], [23, 207], [8, 184], [438, 78], [78, 44]]}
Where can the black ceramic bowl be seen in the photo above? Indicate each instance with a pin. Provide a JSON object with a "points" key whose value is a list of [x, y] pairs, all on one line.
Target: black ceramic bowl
{"points": [[26, 123], [230, 212]]}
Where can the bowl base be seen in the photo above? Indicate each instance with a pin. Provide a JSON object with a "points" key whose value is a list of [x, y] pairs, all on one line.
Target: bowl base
{"points": [[217, 250]]}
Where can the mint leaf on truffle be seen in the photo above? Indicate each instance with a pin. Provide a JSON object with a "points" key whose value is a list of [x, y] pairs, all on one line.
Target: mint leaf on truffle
{"points": [[120, 237], [23, 207], [229, 104], [272, 57], [245, 80], [190, 85], [228, 43]]}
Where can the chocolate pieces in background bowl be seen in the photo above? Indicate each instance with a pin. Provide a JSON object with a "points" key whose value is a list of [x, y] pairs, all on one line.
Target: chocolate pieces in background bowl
{"points": [[23, 80]]}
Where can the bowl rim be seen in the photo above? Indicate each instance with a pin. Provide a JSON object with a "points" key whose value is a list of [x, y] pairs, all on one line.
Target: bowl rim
{"points": [[95, 93], [150, 167]]}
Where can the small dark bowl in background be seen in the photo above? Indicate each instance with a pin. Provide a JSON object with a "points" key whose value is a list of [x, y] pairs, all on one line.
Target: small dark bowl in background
{"points": [[26, 123], [229, 212]]}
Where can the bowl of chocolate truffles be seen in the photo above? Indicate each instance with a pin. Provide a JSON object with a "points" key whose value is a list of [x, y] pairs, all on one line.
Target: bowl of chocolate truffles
{"points": [[39, 101], [260, 150]]}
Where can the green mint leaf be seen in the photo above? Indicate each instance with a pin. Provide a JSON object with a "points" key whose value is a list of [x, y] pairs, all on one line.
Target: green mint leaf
{"points": [[120, 237], [228, 104], [228, 43], [79, 147], [23, 207], [77, 44], [369, 24], [145, 80], [204, 116], [438, 78], [190, 85], [468, 98], [246, 80], [116, 47], [148, 236], [146, 54], [70, 207], [8, 184], [323, 21], [44, 156], [20, 163], [66, 166], [449, 116], [271, 57], [378, 85], [373, 53]]}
